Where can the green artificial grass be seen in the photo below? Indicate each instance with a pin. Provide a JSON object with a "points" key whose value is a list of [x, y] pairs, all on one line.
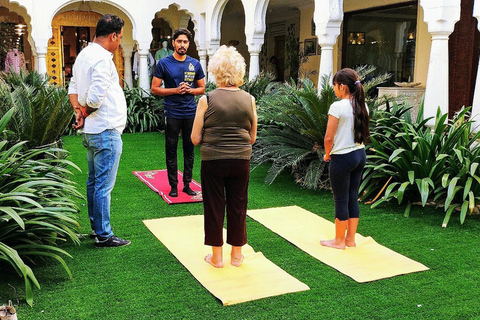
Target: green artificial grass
{"points": [[145, 281]]}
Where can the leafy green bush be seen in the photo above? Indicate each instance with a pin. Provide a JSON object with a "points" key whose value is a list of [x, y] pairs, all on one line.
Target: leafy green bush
{"points": [[413, 163], [144, 111], [292, 123], [37, 206], [42, 111], [258, 86], [209, 86]]}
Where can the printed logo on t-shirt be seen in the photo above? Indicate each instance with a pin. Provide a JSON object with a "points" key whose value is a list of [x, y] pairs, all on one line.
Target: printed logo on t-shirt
{"points": [[189, 76]]}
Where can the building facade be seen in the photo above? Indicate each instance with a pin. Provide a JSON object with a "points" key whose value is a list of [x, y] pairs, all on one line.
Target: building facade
{"points": [[426, 41]]}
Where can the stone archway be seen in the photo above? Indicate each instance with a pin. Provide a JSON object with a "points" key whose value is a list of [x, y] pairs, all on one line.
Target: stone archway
{"points": [[176, 18], [56, 51], [281, 50], [234, 14]]}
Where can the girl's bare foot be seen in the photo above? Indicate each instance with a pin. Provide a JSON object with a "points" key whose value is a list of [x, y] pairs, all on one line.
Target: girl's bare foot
{"points": [[209, 260], [333, 244], [350, 243], [237, 262]]}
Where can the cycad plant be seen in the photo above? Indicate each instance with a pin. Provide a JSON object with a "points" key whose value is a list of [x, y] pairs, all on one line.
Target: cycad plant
{"points": [[37, 207], [32, 78], [258, 86], [370, 86], [42, 111], [144, 111], [292, 124], [411, 163]]}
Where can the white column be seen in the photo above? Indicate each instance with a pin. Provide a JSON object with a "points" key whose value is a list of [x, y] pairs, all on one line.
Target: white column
{"points": [[254, 43], [41, 66], [35, 61], [144, 82], [212, 46], [476, 96], [328, 19], [326, 63], [254, 69], [436, 93], [201, 42], [202, 54], [127, 72], [440, 16], [255, 26]]}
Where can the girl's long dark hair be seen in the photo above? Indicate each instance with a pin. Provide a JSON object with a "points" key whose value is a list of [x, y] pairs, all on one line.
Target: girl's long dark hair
{"points": [[350, 78]]}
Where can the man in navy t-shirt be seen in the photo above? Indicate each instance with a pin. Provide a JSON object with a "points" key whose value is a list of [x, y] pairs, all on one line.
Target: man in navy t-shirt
{"points": [[183, 78]]}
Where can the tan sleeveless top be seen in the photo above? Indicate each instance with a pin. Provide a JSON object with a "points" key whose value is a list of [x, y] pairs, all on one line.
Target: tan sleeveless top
{"points": [[227, 125]]}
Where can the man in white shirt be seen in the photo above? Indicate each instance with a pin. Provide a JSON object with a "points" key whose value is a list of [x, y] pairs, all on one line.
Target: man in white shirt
{"points": [[101, 114]]}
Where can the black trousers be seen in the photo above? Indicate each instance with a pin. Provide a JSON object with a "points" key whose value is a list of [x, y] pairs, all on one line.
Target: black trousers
{"points": [[172, 130], [225, 186], [345, 177]]}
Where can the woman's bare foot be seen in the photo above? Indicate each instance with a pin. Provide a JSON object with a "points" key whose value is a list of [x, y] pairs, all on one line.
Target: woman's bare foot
{"points": [[237, 262], [209, 260], [333, 244], [350, 243]]}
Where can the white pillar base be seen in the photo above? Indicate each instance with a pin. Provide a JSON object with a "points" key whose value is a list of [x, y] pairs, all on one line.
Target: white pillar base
{"points": [[254, 69], [127, 72], [326, 65], [436, 93], [144, 82]]}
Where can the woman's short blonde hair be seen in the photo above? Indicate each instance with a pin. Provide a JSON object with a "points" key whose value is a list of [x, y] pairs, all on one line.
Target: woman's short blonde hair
{"points": [[228, 67]]}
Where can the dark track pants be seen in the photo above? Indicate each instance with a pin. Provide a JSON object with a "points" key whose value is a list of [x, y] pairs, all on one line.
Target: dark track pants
{"points": [[225, 186], [172, 130]]}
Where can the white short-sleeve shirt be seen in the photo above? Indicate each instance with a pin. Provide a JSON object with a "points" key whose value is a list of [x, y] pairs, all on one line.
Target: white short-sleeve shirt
{"points": [[344, 140]]}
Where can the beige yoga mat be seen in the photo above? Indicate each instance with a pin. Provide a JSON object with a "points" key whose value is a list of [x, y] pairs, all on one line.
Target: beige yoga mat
{"points": [[256, 278], [368, 261]]}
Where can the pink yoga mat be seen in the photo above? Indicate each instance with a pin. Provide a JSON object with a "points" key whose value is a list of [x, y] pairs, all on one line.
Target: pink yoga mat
{"points": [[157, 180]]}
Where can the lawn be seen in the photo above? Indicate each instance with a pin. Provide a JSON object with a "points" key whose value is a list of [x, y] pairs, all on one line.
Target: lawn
{"points": [[145, 281]]}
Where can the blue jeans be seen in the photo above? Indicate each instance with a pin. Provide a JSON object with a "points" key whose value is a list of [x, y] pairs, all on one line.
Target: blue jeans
{"points": [[103, 155]]}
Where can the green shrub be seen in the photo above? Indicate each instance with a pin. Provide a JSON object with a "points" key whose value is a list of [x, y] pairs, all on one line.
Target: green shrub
{"points": [[258, 86], [144, 111], [37, 206], [209, 86], [292, 123], [42, 111], [413, 163], [370, 85]]}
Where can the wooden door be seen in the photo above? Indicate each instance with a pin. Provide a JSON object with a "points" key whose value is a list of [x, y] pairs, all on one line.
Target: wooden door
{"points": [[55, 53], [463, 48]]}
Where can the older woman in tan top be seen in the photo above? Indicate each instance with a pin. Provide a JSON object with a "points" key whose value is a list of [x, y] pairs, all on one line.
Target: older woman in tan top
{"points": [[226, 126]]}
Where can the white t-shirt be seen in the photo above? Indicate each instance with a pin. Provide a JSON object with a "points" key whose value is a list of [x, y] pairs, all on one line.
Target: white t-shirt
{"points": [[95, 80], [344, 140]]}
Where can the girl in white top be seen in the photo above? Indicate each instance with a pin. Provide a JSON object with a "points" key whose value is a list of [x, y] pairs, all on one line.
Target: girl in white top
{"points": [[347, 132]]}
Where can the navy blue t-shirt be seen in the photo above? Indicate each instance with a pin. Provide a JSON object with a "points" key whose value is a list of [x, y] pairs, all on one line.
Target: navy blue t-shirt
{"points": [[173, 72]]}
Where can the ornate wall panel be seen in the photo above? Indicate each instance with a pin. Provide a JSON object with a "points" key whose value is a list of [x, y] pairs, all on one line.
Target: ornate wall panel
{"points": [[54, 58], [55, 61]]}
